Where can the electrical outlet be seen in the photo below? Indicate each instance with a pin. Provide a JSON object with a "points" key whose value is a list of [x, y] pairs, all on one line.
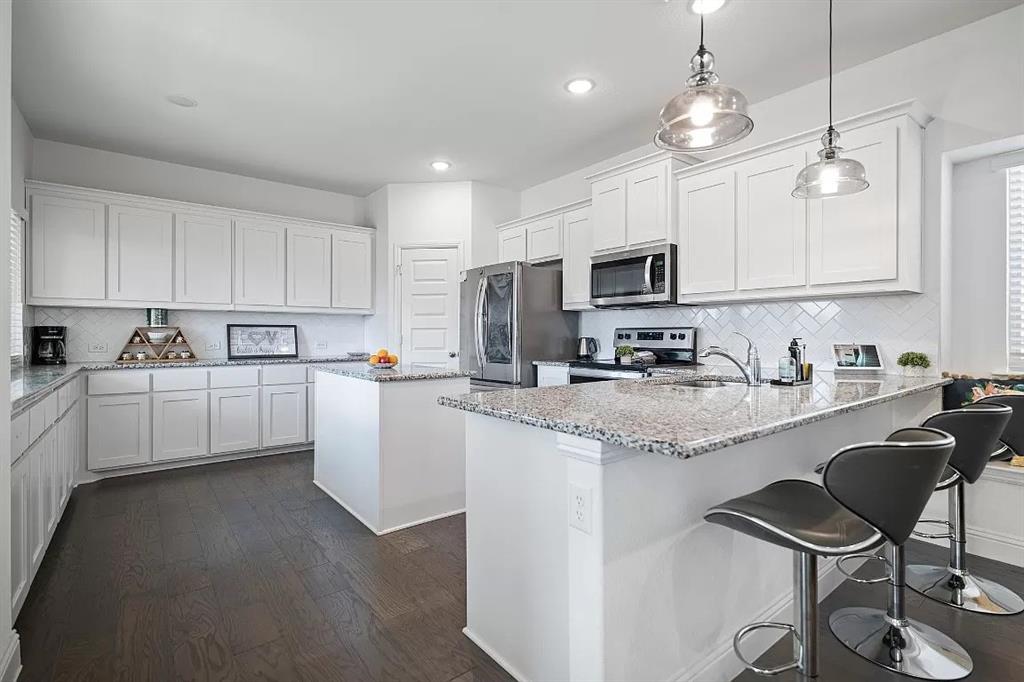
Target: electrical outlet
{"points": [[581, 502], [321, 345], [213, 346], [97, 348]]}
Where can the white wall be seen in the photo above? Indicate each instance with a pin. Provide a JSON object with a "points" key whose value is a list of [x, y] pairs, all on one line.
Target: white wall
{"points": [[491, 205], [22, 144], [83, 166]]}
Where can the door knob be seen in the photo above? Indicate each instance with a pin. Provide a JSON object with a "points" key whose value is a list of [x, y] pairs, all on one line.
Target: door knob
{"points": [[453, 354]]}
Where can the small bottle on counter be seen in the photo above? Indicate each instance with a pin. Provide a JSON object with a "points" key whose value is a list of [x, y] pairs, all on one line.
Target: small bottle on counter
{"points": [[796, 352]]}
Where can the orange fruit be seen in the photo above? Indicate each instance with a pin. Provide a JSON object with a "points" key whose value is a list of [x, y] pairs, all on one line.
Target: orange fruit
{"points": [[382, 353], [374, 360], [393, 359]]}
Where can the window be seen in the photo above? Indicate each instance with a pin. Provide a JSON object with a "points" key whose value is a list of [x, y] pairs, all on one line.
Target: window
{"points": [[1015, 271], [17, 287]]}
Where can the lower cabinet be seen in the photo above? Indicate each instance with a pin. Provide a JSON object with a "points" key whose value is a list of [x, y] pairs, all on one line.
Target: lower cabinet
{"points": [[119, 430], [310, 412], [284, 414], [181, 424], [21, 494], [234, 419], [552, 375]]}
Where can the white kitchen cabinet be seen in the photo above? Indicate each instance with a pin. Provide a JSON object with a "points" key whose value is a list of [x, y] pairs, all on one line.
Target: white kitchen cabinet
{"points": [[578, 236], [283, 415], [181, 424], [855, 238], [21, 481], [309, 267], [139, 254], [40, 500], [549, 375], [608, 213], [259, 263], [707, 232], [119, 430], [202, 259], [647, 205], [310, 412], [352, 270], [234, 419], [67, 249], [512, 244], [771, 226], [544, 239]]}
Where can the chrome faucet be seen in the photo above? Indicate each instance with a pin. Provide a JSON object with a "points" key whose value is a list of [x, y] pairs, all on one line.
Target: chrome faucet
{"points": [[751, 369]]}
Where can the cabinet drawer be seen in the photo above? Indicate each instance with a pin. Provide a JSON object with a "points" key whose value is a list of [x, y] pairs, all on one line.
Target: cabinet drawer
{"points": [[231, 377], [19, 435], [284, 374], [180, 379], [119, 381]]}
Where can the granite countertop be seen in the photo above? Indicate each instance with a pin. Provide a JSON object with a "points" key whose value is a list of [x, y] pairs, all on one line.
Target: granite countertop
{"points": [[662, 416], [29, 383], [411, 372]]}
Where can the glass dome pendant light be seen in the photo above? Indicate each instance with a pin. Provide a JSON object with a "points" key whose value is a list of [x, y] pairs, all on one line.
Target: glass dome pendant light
{"points": [[706, 115], [831, 176]]}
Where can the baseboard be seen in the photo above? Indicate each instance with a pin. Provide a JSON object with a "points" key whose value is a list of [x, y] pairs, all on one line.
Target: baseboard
{"points": [[721, 663], [392, 529], [347, 508], [498, 658], [10, 664], [428, 519]]}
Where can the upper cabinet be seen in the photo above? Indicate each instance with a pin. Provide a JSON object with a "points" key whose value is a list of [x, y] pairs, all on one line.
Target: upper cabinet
{"points": [[67, 249], [707, 232], [139, 246], [577, 247], [512, 244], [608, 213], [105, 249], [544, 239]]}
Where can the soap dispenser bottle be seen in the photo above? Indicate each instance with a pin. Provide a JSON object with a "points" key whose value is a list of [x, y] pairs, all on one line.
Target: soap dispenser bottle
{"points": [[797, 353]]}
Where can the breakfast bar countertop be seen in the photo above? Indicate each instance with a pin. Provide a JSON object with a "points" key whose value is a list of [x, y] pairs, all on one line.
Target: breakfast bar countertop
{"points": [[663, 415], [411, 372]]}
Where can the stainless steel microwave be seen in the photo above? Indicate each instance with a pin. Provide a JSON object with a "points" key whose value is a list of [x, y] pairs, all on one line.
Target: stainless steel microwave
{"points": [[634, 278]]}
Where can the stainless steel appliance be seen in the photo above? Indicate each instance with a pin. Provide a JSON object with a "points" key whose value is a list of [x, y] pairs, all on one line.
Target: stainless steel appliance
{"points": [[634, 278], [512, 315], [49, 345], [670, 346], [588, 348]]}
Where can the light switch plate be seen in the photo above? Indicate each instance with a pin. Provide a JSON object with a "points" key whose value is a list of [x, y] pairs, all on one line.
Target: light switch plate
{"points": [[213, 346], [581, 502], [321, 345], [97, 348]]}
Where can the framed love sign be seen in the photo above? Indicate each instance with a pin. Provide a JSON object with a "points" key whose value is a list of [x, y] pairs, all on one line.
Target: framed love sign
{"points": [[256, 341]]}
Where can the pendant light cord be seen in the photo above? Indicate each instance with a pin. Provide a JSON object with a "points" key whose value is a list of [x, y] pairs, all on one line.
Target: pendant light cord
{"points": [[702, 31], [830, 64]]}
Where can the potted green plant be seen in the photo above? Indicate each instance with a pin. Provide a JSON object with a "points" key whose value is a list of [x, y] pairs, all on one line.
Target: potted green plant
{"points": [[624, 354], [914, 364]]}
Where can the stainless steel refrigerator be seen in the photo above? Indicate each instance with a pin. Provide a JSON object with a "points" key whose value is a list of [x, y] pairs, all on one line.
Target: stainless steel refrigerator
{"points": [[512, 315]]}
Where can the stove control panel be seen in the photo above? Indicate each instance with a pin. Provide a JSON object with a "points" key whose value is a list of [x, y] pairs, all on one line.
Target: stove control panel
{"points": [[677, 338]]}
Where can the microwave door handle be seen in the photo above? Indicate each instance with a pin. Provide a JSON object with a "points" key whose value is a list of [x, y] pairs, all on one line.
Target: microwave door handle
{"points": [[648, 274], [478, 332]]}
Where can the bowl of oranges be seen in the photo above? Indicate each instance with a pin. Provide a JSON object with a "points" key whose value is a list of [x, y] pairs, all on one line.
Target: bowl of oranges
{"points": [[383, 359]]}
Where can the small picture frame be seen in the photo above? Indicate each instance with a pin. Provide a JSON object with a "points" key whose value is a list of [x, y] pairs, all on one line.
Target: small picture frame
{"points": [[255, 341], [857, 357]]}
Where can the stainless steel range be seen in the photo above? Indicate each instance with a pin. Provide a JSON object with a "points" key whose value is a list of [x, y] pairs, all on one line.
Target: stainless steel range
{"points": [[664, 347]]}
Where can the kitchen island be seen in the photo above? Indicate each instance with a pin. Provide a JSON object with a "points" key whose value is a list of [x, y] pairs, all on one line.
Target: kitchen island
{"points": [[587, 554], [384, 449]]}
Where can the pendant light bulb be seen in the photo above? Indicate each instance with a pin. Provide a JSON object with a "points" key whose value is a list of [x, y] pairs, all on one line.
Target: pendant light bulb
{"points": [[832, 175], [707, 114]]}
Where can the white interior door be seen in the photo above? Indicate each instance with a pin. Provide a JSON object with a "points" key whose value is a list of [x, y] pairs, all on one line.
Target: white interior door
{"points": [[429, 285]]}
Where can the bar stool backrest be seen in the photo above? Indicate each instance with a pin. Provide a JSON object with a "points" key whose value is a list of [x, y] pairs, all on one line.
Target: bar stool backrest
{"points": [[976, 428], [888, 484], [1013, 434]]}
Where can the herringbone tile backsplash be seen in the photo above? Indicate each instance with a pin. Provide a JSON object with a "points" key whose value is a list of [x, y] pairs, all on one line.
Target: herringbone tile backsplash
{"points": [[111, 327], [896, 323]]}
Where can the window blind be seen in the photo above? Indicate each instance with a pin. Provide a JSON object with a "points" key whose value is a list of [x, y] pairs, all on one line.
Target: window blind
{"points": [[17, 287], [1015, 268]]}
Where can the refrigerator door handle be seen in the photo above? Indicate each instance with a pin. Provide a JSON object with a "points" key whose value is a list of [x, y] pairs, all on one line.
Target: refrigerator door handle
{"points": [[478, 330]]}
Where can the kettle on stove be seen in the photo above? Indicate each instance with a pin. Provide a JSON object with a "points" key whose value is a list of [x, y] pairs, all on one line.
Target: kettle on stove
{"points": [[587, 349]]}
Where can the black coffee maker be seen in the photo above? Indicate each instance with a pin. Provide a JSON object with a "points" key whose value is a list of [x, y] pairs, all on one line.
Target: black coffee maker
{"points": [[49, 345]]}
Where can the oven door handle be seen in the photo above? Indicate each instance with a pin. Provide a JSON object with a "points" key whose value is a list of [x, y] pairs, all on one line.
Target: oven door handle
{"points": [[648, 275], [605, 373]]}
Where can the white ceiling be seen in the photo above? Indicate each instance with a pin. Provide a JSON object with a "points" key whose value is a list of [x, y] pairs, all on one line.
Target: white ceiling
{"points": [[347, 96]]}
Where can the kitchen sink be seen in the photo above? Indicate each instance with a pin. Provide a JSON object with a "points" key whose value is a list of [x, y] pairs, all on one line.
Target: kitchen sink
{"points": [[702, 383]]}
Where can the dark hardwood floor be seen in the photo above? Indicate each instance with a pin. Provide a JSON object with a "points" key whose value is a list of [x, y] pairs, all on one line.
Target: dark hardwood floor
{"points": [[995, 643], [244, 571]]}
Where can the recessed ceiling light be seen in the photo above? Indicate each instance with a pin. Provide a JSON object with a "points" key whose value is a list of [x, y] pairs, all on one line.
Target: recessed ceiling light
{"points": [[705, 6], [440, 166], [579, 86], [182, 101]]}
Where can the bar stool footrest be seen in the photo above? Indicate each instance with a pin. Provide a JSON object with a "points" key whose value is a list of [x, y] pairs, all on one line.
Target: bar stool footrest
{"points": [[935, 536], [771, 625], [864, 581]]}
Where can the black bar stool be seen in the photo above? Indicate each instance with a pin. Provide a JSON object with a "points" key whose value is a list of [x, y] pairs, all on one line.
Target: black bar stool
{"points": [[891, 496], [836, 520], [977, 429]]}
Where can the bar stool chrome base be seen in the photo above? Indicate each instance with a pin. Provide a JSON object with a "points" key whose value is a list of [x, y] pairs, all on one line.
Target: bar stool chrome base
{"points": [[963, 591], [912, 648]]}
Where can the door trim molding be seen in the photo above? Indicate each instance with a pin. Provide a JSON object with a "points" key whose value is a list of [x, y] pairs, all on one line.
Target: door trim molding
{"points": [[395, 328]]}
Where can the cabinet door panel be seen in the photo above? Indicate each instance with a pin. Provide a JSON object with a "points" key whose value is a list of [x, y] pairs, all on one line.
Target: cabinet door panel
{"points": [[310, 412], [578, 234], [234, 419], [352, 271], [139, 258], [854, 238], [283, 415], [544, 239], [707, 233], [119, 431], [608, 211], [771, 226], [512, 244], [309, 267], [67, 248], [203, 262], [181, 425], [259, 263], [37, 505], [647, 204], [20, 478]]}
